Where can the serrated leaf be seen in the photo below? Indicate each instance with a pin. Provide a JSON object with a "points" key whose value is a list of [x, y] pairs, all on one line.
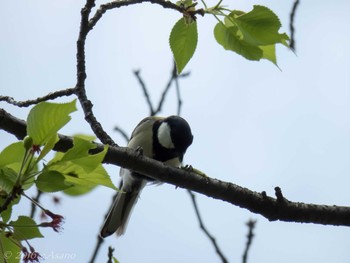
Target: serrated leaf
{"points": [[82, 170], [229, 38], [79, 150], [25, 228], [183, 42], [45, 119], [51, 181], [259, 26], [9, 249]]}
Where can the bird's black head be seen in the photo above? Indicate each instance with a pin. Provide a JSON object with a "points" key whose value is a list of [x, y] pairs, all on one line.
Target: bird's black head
{"points": [[180, 133], [172, 136]]}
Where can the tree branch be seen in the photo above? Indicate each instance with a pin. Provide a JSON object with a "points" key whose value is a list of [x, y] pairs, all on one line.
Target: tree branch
{"points": [[251, 225], [81, 76], [259, 203], [204, 229], [145, 92], [50, 96], [291, 25], [117, 4]]}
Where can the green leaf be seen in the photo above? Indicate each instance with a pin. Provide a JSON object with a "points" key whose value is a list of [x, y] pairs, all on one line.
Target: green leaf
{"points": [[183, 42], [78, 190], [259, 26], [13, 153], [10, 251], [228, 37], [6, 214], [8, 178], [51, 181], [269, 53], [45, 119], [115, 260], [25, 228], [79, 150], [80, 168], [48, 146]]}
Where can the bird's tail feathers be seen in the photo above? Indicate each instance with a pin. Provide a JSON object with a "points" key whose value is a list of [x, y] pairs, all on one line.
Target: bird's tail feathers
{"points": [[119, 215]]}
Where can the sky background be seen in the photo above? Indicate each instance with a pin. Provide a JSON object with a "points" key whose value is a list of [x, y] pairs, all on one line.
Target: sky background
{"points": [[253, 125]]}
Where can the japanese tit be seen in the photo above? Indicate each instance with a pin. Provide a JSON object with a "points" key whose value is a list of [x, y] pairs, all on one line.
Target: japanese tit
{"points": [[163, 139]]}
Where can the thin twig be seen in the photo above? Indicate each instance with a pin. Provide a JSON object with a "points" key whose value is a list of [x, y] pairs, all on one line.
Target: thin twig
{"points": [[177, 87], [50, 96], [173, 77], [291, 25], [165, 4], [110, 254], [251, 225], [201, 225], [36, 199], [122, 133], [145, 92], [100, 240]]}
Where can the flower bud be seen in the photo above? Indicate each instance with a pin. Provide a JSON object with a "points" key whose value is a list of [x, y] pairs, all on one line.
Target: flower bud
{"points": [[28, 143]]}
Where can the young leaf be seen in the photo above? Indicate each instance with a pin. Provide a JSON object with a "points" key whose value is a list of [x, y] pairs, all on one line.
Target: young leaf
{"points": [[269, 53], [228, 37], [8, 178], [48, 146], [259, 26], [81, 169], [13, 153], [51, 181], [25, 228], [10, 250], [183, 42], [45, 119]]}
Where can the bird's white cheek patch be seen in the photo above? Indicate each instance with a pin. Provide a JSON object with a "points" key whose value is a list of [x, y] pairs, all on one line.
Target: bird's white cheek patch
{"points": [[164, 136]]}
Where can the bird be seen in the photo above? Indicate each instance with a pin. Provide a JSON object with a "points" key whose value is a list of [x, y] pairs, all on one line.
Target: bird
{"points": [[164, 139]]}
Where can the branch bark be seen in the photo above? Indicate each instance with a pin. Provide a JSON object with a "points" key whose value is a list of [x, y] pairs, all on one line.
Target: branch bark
{"points": [[271, 208]]}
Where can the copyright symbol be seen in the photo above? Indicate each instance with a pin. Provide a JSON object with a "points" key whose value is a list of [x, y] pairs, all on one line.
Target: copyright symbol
{"points": [[7, 254]]}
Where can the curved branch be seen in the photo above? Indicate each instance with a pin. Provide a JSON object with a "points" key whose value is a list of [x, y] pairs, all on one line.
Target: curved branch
{"points": [[291, 25], [50, 96], [117, 4], [81, 76], [271, 208]]}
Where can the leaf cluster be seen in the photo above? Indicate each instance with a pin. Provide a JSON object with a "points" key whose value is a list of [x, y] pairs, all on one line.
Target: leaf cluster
{"points": [[253, 34], [74, 172]]}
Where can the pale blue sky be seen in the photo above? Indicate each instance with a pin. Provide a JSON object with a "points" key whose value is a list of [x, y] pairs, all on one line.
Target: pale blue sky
{"points": [[254, 125]]}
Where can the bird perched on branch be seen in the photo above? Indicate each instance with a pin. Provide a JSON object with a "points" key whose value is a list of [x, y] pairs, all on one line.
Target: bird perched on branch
{"points": [[163, 139]]}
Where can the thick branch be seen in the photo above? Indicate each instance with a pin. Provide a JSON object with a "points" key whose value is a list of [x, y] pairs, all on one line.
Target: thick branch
{"points": [[271, 208]]}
